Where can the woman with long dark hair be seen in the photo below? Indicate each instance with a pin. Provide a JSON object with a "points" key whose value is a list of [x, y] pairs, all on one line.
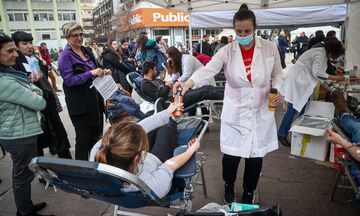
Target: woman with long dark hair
{"points": [[183, 65], [112, 59]]}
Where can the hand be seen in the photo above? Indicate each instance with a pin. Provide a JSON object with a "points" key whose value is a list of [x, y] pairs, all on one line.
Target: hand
{"points": [[334, 137], [107, 72], [193, 145], [173, 106], [35, 92], [181, 85], [97, 72], [277, 99], [339, 78], [170, 84]]}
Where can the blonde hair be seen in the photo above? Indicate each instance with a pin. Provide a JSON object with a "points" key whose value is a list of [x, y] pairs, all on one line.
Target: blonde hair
{"points": [[67, 28], [121, 144]]}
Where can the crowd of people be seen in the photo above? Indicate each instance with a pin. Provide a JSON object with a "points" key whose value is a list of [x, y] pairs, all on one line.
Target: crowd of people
{"points": [[251, 66]]}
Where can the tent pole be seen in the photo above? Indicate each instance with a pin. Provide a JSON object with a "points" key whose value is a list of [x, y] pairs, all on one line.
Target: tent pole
{"points": [[201, 37], [190, 35], [190, 29]]}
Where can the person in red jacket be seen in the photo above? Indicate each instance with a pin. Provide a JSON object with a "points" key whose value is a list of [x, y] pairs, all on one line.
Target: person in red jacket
{"points": [[204, 59], [46, 56]]}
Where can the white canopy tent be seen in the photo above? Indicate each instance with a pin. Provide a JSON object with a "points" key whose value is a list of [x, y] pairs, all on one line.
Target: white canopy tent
{"points": [[224, 5], [275, 17], [221, 6], [312, 30]]}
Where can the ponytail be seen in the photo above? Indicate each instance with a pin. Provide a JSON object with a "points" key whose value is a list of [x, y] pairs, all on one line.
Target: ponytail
{"points": [[122, 143], [101, 156]]}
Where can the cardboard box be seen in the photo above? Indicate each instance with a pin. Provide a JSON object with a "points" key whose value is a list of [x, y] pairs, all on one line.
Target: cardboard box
{"points": [[308, 133]]}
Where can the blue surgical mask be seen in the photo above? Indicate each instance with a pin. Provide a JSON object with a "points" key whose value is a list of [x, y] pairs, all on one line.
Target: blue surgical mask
{"points": [[244, 40]]}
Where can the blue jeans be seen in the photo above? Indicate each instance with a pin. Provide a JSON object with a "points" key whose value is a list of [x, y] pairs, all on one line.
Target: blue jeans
{"points": [[352, 126], [287, 120]]}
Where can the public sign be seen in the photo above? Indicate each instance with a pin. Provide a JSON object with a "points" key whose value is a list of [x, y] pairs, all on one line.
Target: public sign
{"points": [[152, 17]]}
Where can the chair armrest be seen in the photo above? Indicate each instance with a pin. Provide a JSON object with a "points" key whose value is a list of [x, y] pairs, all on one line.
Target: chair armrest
{"points": [[189, 168]]}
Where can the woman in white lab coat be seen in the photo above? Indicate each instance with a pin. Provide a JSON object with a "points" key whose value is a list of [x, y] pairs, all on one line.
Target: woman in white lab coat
{"points": [[302, 78], [248, 129], [182, 66]]}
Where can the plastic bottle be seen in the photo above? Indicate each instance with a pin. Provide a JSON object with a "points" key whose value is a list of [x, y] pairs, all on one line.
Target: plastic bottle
{"points": [[178, 99], [35, 67], [273, 93]]}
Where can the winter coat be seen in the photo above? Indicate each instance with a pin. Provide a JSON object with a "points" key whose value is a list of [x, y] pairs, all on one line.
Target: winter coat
{"points": [[18, 108], [150, 51], [119, 70]]}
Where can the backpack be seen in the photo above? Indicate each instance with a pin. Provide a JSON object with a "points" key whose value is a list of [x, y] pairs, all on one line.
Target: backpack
{"points": [[120, 105], [160, 58]]}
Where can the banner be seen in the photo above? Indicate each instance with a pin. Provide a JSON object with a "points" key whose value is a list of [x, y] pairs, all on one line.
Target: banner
{"points": [[152, 17]]}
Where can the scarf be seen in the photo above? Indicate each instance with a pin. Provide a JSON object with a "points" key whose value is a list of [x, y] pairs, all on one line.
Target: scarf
{"points": [[19, 75]]}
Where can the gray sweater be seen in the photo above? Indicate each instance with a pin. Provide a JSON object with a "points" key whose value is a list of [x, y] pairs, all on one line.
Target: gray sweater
{"points": [[157, 177]]}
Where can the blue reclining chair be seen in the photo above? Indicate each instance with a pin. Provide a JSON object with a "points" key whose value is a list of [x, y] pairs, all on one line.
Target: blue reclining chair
{"points": [[147, 105], [104, 182]]}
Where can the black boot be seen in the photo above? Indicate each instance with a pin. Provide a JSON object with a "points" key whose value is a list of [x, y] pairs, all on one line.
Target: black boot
{"points": [[284, 141], [229, 195]]}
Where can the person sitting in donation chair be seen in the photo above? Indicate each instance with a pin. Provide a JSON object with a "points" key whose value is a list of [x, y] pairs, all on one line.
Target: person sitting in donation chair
{"points": [[125, 145], [350, 129], [155, 88]]}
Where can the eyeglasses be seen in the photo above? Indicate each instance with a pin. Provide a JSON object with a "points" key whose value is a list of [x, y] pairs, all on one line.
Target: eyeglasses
{"points": [[77, 35]]}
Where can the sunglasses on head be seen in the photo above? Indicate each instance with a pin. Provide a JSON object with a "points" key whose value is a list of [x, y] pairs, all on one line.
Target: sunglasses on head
{"points": [[77, 35]]}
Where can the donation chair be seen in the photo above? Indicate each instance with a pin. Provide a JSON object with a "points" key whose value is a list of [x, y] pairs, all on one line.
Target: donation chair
{"points": [[104, 182], [345, 168]]}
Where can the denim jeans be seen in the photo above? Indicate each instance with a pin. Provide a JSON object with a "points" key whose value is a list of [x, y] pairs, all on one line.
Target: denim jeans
{"points": [[352, 126], [287, 120]]}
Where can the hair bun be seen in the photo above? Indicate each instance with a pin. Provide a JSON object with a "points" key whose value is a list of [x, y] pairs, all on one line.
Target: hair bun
{"points": [[244, 7]]}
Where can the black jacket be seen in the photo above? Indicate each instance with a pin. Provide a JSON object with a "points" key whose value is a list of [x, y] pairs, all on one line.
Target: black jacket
{"points": [[119, 70], [206, 48], [155, 89], [54, 136], [85, 104]]}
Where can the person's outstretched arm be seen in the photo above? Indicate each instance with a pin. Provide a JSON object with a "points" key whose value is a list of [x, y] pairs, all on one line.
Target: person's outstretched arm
{"points": [[178, 161], [335, 138]]}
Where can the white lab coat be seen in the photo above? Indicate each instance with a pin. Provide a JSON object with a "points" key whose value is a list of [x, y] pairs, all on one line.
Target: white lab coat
{"points": [[248, 128], [302, 78], [190, 64]]}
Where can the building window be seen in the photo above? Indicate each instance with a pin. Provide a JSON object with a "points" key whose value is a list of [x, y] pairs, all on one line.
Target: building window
{"points": [[26, 16], [11, 17], [43, 17], [36, 17], [19, 16], [73, 16], [46, 36], [66, 16], [60, 16], [51, 17]]}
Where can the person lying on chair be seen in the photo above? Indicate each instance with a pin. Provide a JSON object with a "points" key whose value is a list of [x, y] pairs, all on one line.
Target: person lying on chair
{"points": [[350, 124], [156, 88], [125, 145]]}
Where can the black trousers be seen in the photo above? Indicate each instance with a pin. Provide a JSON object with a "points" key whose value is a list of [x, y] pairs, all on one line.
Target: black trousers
{"points": [[86, 137], [163, 141], [252, 171], [206, 92], [22, 151], [282, 59]]}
